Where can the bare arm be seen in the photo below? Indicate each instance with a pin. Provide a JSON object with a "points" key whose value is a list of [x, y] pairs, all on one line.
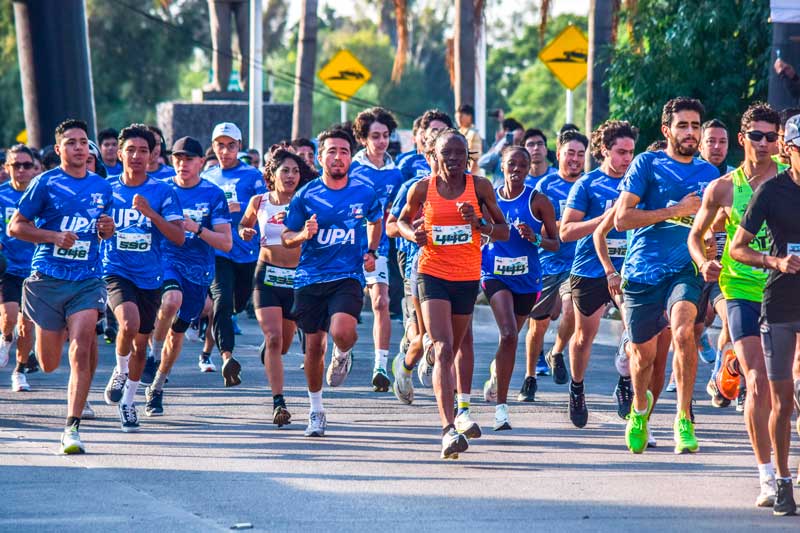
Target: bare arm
{"points": [[601, 247], [374, 231], [293, 239], [173, 230], [740, 251], [629, 217], [218, 238], [498, 229], [543, 209], [416, 195], [573, 226], [25, 230], [248, 222], [709, 268]]}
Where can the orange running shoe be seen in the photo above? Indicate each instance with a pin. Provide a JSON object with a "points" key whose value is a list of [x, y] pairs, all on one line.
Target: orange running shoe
{"points": [[728, 376]]}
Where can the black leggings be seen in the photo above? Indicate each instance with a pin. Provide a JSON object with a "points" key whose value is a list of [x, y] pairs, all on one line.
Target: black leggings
{"points": [[230, 290]]}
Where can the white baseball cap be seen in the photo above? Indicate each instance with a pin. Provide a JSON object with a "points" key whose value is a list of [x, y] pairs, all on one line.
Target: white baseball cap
{"points": [[791, 131], [227, 129]]}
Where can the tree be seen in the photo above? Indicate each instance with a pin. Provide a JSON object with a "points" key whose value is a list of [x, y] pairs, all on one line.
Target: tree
{"points": [[717, 51], [10, 89], [304, 72]]}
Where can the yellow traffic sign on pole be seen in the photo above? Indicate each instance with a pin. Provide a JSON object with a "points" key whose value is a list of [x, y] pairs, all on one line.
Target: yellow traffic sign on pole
{"points": [[344, 75], [566, 56], [22, 137]]}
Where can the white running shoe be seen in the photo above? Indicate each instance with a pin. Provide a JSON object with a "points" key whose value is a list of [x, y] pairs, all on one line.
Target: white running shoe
{"points": [[115, 387], [403, 385], [71, 441], [339, 368], [501, 422], [490, 385], [19, 382], [205, 364], [769, 491], [316, 424], [466, 426], [621, 361], [425, 366], [88, 412], [651, 439], [453, 443], [5, 348]]}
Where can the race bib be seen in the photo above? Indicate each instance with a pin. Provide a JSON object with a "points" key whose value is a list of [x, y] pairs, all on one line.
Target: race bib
{"points": [[230, 192], [195, 214], [617, 247], [511, 266], [686, 221], [562, 205], [279, 277], [134, 242], [450, 235], [78, 252], [10, 213], [793, 248]]}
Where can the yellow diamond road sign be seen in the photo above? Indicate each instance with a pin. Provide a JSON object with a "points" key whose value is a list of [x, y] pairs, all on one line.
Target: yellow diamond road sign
{"points": [[344, 75], [566, 56]]}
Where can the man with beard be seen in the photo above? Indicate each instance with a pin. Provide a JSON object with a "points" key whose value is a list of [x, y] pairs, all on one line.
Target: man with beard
{"points": [[336, 220], [660, 195]]}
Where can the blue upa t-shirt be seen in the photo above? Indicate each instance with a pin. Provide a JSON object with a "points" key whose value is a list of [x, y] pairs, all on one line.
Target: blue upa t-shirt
{"points": [[57, 201], [19, 254], [659, 250], [337, 250], [134, 252], [556, 189], [385, 181]]}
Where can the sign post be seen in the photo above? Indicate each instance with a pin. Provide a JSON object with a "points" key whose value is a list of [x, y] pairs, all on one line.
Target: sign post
{"points": [[344, 75], [566, 56]]}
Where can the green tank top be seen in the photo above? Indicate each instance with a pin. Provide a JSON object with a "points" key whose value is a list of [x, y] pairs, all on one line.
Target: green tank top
{"points": [[738, 281]]}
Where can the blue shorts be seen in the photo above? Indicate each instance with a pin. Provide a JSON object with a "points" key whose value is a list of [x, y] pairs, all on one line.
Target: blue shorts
{"points": [[647, 306], [743, 318], [194, 294]]}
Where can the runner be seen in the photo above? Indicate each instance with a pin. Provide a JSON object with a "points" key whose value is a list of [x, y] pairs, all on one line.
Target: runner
{"points": [[234, 270], [109, 151], [613, 144], [145, 212], [510, 275], [432, 121], [535, 142], [774, 204], [336, 220], [374, 167], [70, 208], [660, 195], [18, 256], [156, 169], [188, 269], [273, 294], [555, 295], [305, 149], [449, 271]]}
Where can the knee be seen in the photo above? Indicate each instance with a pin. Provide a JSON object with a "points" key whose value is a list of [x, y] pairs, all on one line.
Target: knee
{"points": [[783, 407], [344, 338], [683, 335], [443, 352], [273, 341], [48, 364], [380, 304], [170, 306], [129, 328], [508, 336]]}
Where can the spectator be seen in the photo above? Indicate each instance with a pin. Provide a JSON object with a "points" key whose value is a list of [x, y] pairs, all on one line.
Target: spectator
{"points": [[511, 133], [255, 157], [465, 116], [790, 78]]}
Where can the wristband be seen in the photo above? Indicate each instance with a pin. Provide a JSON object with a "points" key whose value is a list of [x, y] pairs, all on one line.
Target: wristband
{"points": [[374, 253], [538, 240], [199, 230]]}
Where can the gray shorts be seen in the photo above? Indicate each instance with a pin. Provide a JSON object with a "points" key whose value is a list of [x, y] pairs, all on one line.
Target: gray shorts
{"points": [[778, 341], [49, 301], [554, 288]]}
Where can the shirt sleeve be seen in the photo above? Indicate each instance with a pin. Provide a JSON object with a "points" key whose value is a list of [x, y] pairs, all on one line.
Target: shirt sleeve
{"points": [[757, 211], [578, 197], [374, 211], [400, 200], [170, 206], [33, 202], [219, 210], [637, 177], [296, 216]]}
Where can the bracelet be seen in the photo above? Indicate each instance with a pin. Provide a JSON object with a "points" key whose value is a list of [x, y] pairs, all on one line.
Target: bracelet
{"points": [[614, 274], [491, 230], [764, 261], [538, 240]]}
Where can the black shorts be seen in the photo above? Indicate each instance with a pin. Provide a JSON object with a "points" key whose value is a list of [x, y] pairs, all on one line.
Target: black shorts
{"points": [[315, 304], [743, 318], [11, 288], [272, 295], [148, 301], [711, 295], [523, 302], [460, 294], [589, 294]]}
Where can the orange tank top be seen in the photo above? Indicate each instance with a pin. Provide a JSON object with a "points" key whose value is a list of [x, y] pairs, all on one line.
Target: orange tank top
{"points": [[453, 251]]}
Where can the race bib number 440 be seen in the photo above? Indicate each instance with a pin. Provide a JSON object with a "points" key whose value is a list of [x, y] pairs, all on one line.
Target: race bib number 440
{"points": [[511, 266], [78, 252], [450, 235], [134, 242]]}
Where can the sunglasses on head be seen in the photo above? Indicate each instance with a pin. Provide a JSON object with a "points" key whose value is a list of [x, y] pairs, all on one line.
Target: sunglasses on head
{"points": [[26, 166], [756, 136]]}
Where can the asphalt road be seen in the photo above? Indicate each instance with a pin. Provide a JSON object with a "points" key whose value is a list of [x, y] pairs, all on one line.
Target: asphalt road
{"points": [[215, 460]]}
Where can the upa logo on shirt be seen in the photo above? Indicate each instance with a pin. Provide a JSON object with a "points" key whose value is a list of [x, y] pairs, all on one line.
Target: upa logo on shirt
{"points": [[356, 211], [334, 236], [124, 218], [78, 224]]}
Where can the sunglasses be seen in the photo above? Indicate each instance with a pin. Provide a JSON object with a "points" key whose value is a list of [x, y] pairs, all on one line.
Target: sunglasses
{"points": [[756, 136], [26, 166]]}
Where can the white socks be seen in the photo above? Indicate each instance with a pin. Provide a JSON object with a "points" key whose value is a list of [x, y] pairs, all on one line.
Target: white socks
{"points": [[316, 401], [381, 358], [130, 392], [122, 363], [766, 471]]}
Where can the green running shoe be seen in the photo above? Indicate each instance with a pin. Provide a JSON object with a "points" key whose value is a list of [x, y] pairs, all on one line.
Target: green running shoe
{"points": [[636, 428], [685, 441]]}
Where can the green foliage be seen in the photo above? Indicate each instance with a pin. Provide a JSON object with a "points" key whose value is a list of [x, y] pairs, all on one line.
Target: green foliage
{"points": [[714, 50], [10, 90]]}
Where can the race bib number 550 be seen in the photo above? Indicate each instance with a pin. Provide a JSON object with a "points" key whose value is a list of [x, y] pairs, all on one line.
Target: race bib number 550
{"points": [[450, 235]]}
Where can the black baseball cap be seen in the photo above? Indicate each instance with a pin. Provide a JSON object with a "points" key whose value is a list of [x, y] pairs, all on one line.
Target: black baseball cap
{"points": [[187, 146]]}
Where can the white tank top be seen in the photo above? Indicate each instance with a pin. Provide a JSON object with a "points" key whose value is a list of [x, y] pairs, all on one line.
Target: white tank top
{"points": [[268, 227]]}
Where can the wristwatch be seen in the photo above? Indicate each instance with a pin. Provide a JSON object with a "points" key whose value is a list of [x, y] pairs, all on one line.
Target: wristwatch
{"points": [[199, 230], [482, 222], [374, 253]]}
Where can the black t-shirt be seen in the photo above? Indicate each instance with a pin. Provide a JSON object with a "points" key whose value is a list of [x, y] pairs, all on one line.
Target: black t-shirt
{"points": [[777, 202]]}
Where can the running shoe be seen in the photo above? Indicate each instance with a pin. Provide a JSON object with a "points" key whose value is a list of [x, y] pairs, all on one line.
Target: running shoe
{"points": [[501, 422], [578, 412], [621, 360], [19, 383], [88, 413], [466, 426], [685, 439], [149, 372], [706, 352], [115, 387], [316, 424], [281, 416], [542, 368], [403, 386], [671, 386], [236, 329], [32, 366], [555, 362], [651, 439], [741, 399], [623, 396], [339, 368], [154, 402], [528, 391], [766, 498], [784, 499], [425, 366], [71, 442], [453, 443], [128, 419], [717, 399], [231, 372], [110, 335], [637, 431], [380, 380], [5, 349], [727, 379], [205, 363], [490, 385]]}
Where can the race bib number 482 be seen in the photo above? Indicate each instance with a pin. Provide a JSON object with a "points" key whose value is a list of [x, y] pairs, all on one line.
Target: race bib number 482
{"points": [[450, 235], [78, 252]]}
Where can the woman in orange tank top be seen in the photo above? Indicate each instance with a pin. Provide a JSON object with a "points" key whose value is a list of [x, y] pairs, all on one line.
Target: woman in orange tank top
{"points": [[450, 268]]}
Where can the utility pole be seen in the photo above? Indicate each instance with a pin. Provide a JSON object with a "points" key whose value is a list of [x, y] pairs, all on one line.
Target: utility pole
{"points": [[304, 71], [464, 52], [256, 77]]}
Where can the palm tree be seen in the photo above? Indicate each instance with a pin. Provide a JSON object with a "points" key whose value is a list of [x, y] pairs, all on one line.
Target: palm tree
{"points": [[304, 71]]}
